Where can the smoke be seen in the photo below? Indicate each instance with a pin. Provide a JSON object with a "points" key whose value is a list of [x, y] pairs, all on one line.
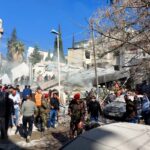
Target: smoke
{"points": [[77, 79]]}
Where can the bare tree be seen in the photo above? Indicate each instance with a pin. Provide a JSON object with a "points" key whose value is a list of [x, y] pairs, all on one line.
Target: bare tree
{"points": [[126, 23]]}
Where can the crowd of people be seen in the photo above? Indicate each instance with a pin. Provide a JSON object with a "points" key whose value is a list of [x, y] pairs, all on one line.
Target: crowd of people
{"points": [[42, 108], [38, 108], [137, 102]]}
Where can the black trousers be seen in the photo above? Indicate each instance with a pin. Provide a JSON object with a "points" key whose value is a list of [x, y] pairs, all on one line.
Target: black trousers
{"points": [[2, 128], [8, 122], [28, 120]]}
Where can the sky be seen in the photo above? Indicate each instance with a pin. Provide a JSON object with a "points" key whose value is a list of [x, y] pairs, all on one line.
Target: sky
{"points": [[34, 19]]}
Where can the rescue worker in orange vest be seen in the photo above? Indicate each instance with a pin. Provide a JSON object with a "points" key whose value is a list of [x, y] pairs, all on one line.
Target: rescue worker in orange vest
{"points": [[38, 97], [38, 103]]}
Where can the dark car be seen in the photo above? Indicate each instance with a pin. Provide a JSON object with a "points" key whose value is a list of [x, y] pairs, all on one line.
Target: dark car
{"points": [[114, 110], [117, 108]]}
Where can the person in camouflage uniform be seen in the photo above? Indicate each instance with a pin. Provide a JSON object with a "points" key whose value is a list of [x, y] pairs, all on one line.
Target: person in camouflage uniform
{"points": [[44, 110], [76, 111]]}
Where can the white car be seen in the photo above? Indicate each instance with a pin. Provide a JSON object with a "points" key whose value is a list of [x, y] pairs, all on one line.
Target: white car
{"points": [[115, 136]]}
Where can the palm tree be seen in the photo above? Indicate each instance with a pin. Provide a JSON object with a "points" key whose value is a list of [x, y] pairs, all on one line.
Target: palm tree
{"points": [[15, 48], [19, 51]]}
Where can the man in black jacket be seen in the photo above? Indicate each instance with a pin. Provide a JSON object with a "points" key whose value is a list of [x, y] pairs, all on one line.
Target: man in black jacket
{"points": [[94, 109], [2, 114], [9, 108], [6, 110]]}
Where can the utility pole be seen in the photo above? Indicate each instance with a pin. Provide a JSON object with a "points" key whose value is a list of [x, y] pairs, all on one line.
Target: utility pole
{"points": [[58, 58], [94, 52]]}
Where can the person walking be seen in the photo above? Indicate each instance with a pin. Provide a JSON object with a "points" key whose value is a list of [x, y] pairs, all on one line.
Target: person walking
{"points": [[25, 93], [44, 111], [38, 102], [28, 110], [17, 103], [54, 108], [94, 109], [77, 112]]}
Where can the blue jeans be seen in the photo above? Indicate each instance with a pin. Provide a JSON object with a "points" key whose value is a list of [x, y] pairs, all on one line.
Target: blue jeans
{"points": [[52, 115], [16, 119], [94, 118]]}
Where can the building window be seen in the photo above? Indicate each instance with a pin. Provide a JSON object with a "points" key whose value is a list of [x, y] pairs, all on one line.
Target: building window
{"points": [[87, 54]]}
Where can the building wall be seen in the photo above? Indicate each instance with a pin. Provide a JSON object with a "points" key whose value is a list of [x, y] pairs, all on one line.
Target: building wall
{"points": [[76, 57], [43, 54]]}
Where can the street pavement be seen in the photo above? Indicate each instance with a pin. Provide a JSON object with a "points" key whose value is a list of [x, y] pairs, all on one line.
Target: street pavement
{"points": [[53, 138], [50, 139]]}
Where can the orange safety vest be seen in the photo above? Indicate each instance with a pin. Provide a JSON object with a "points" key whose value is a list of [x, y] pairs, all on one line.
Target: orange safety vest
{"points": [[38, 99]]}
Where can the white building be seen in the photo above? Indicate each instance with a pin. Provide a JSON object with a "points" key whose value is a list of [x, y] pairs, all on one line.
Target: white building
{"points": [[44, 54], [82, 53]]}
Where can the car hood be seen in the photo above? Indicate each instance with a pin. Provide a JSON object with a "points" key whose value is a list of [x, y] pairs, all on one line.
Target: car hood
{"points": [[116, 104]]}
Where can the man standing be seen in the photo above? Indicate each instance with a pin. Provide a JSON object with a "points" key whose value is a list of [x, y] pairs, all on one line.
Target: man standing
{"points": [[24, 94], [94, 109], [9, 108], [77, 114], [54, 105], [130, 110], [28, 109], [17, 102], [38, 97], [2, 114], [38, 103], [30, 91], [44, 111]]}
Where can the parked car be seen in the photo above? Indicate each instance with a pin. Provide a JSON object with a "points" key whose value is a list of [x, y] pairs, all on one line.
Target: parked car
{"points": [[121, 136], [117, 108]]}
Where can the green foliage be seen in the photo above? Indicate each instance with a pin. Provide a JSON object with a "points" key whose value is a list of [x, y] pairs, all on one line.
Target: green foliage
{"points": [[15, 48], [35, 56], [11, 45]]}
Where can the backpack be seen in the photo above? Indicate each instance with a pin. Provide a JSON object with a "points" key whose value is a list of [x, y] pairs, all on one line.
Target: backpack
{"points": [[2, 104]]}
